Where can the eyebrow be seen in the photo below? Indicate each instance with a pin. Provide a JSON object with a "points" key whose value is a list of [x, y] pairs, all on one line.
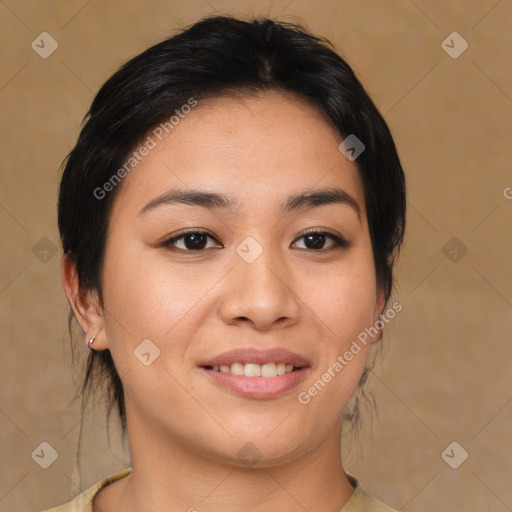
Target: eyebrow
{"points": [[216, 201]]}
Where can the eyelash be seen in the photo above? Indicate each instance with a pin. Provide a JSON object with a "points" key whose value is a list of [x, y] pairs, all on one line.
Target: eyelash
{"points": [[339, 241]]}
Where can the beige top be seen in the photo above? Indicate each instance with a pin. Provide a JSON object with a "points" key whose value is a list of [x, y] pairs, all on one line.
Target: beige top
{"points": [[360, 501]]}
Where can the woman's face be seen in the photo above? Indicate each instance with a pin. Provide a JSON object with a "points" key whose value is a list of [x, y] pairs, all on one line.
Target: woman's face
{"points": [[251, 287]]}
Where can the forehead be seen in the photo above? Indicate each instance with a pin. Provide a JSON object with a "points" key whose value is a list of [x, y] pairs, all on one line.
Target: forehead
{"points": [[258, 149]]}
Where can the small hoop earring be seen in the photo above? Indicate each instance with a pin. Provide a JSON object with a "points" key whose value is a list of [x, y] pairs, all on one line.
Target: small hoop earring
{"points": [[91, 341]]}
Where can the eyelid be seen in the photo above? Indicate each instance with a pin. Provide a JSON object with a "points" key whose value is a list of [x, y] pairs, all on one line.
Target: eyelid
{"points": [[340, 241], [187, 231], [326, 231]]}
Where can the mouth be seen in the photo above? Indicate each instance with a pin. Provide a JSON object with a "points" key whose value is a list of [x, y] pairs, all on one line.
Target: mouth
{"points": [[268, 370], [255, 373]]}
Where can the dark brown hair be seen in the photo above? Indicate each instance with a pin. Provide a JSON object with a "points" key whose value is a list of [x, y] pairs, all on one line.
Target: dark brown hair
{"points": [[219, 56]]}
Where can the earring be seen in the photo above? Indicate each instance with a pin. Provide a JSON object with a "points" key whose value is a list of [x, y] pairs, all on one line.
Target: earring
{"points": [[91, 341]]}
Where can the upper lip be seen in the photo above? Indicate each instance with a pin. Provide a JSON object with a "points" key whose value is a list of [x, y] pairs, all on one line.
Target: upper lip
{"points": [[258, 356]]}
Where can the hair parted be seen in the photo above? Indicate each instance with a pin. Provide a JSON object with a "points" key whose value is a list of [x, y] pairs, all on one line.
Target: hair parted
{"points": [[219, 56]]}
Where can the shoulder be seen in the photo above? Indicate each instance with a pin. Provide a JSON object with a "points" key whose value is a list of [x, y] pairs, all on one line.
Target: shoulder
{"points": [[82, 503], [361, 500]]}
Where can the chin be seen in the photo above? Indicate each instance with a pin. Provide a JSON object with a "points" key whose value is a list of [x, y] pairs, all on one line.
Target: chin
{"points": [[262, 452]]}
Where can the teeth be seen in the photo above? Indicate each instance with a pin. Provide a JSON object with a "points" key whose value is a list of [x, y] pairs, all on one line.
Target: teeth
{"points": [[237, 369], [252, 370], [269, 370], [255, 370]]}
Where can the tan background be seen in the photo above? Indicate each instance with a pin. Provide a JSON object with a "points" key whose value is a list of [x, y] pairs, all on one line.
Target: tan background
{"points": [[446, 373]]}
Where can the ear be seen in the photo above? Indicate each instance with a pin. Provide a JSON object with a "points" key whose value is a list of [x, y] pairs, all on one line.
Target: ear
{"points": [[85, 304]]}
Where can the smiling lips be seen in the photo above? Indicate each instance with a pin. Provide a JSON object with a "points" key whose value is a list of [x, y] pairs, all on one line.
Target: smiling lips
{"points": [[255, 370], [257, 373]]}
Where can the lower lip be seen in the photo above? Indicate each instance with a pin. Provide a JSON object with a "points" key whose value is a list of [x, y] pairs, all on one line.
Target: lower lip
{"points": [[257, 387]]}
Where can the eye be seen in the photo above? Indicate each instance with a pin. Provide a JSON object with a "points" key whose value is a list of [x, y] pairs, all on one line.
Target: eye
{"points": [[317, 238], [195, 240]]}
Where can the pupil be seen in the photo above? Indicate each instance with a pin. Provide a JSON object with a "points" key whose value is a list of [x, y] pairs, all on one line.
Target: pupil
{"points": [[320, 239], [195, 238]]}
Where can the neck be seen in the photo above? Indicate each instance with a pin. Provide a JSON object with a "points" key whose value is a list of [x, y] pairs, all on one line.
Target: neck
{"points": [[167, 476]]}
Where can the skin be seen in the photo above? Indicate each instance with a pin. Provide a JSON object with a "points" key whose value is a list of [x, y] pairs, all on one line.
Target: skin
{"points": [[184, 431]]}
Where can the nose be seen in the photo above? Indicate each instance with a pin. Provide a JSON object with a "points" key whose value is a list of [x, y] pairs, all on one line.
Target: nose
{"points": [[260, 293]]}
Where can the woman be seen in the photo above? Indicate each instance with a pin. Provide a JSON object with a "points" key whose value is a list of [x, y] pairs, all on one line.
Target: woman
{"points": [[230, 217]]}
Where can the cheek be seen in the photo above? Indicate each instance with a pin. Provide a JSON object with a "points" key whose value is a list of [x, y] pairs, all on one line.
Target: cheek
{"points": [[344, 300], [344, 306], [149, 298]]}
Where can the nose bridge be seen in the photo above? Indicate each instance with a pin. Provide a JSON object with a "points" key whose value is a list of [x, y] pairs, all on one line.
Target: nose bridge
{"points": [[264, 274], [259, 287]]}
